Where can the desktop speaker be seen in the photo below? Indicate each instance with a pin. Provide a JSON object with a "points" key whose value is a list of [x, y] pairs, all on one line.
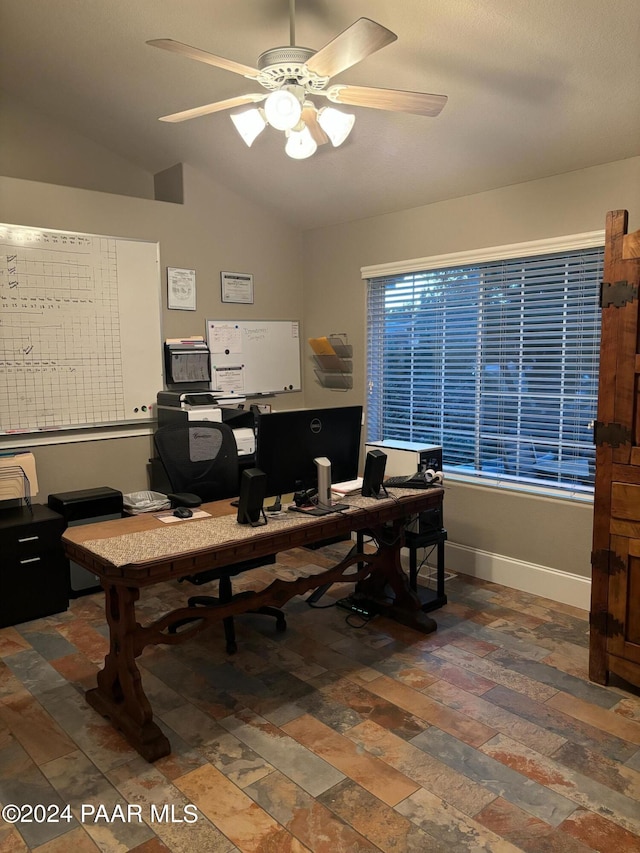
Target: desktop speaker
{"points": [[253, 489], [374, 466]]}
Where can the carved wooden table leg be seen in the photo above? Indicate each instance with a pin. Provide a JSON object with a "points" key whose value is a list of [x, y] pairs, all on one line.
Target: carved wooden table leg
{"points": [[389, 580], [119, 694]]}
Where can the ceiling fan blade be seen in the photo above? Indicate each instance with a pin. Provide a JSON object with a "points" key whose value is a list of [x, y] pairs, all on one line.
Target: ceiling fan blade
{"points": [[207, 109], [203, 56], [353, 45], [310, 118], [419, 103]]}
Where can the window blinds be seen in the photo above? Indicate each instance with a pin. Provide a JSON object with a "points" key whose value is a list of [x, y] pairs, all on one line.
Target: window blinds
{"points": [[497, 361]]}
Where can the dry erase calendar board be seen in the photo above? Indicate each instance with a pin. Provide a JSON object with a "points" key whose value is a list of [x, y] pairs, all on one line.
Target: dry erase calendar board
{"points": [[251, 357], [80, 336]]}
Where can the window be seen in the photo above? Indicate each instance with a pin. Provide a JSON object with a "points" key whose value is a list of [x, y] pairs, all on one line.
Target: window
{"points": [[497, 360]]}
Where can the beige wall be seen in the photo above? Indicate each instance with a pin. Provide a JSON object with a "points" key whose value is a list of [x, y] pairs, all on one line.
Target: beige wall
{"points": [[40, 149], [551, 533], [214, 230]]}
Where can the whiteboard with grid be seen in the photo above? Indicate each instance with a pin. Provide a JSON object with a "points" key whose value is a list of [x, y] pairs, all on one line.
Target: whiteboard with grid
{"points": [[80, 330]]}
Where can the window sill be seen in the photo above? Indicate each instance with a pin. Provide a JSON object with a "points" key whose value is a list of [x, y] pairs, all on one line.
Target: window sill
{"points": [[535, 490]]}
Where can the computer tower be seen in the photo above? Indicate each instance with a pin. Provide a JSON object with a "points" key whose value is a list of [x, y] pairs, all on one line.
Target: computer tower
{"points": [[86, 506], [407, 457]]}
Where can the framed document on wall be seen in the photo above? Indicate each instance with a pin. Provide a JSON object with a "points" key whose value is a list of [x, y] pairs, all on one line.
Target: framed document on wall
{"points": [[181, 289], [237, 287]]}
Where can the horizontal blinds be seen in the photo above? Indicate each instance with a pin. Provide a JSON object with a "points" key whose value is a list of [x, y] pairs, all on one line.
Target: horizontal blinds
{"points": [[496, 361]]}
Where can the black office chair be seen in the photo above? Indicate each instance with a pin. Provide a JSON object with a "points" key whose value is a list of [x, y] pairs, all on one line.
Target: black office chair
{"points": [[200, 459]]}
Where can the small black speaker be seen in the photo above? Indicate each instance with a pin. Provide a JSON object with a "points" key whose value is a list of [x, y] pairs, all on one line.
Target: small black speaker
{"points": [[374, 466], [253, 489]]}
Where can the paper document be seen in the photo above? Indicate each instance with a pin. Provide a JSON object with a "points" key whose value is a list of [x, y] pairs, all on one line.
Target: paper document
{"points": [[228, 379], [168, 517], [225, 338], [321, 346], [348, 487]]}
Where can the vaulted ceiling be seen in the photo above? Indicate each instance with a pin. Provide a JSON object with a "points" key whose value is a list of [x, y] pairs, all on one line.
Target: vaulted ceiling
{"points": [[536, 88]]}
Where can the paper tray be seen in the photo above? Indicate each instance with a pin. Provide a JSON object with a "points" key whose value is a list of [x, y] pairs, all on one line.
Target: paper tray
{"points": [[18, 477]]}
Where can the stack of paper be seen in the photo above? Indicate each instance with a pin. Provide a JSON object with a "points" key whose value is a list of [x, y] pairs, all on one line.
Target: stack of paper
{"points": [[349, 487]]}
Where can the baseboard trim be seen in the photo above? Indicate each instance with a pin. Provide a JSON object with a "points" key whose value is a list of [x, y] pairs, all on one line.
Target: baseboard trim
{"points": [[527, 577]]}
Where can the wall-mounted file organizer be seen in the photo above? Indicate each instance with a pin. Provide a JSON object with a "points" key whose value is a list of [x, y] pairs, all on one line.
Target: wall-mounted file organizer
{"points": [[333, 360], [15, 484], [187, 363]]}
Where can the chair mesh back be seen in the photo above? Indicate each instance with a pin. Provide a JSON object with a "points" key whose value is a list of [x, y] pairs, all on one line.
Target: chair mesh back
{"points": [[200, 457]]}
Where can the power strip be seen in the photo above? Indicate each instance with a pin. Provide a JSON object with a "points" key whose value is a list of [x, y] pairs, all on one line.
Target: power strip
{"points": [[362, 606]]}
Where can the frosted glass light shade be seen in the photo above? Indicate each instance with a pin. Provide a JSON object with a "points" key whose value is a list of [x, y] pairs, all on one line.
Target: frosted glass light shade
{"points": [[249, 124], [283, 109], [336, 124], [300, 144]]}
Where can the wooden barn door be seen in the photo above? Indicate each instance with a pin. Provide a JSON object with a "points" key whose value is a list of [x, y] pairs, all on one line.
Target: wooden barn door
{"points": [[615, 592]]}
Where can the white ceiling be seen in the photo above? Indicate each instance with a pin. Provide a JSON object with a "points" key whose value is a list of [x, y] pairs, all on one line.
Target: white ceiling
{"points": [[536, 88]]}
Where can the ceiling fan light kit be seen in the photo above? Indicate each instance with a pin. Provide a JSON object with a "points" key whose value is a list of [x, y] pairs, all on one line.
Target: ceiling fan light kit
{"points": [[283, 108], [300, 144], [291, 74], [336, 124], [249, 124]]}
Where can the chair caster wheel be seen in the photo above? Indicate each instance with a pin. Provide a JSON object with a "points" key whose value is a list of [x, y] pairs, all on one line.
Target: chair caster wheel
{"points": [[281, 626], [232, 648]]}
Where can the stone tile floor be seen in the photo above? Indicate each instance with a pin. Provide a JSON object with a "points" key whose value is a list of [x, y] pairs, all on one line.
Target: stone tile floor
{"points": [[337, 735]]}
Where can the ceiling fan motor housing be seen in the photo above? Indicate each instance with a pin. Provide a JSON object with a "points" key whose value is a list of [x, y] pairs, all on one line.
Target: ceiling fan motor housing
{"points": [[281, 65]]}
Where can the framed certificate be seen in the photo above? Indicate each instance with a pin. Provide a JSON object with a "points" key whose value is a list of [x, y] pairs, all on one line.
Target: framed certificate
{"points": [[237, 287], [181, 289]]}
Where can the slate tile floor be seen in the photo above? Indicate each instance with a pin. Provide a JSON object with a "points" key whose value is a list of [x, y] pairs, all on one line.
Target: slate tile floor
{"points": [[335, 736]]}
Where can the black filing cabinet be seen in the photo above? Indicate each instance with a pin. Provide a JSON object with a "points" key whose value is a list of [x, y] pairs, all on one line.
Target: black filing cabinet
{"points": [[86, 506], [34, 573]]}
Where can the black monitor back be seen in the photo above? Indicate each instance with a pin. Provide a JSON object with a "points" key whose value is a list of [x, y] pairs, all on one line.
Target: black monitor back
{"points": [[289, 441]]}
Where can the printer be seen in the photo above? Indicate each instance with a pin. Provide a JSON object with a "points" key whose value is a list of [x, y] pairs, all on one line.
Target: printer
{"points": [[407, 457], [180, 406]]}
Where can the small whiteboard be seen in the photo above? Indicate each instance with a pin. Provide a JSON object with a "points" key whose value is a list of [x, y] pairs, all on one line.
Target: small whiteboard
{"points": [[253, 357]]}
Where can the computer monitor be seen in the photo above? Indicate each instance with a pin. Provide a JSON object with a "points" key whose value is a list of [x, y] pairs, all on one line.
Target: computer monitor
{"points": [[289, 441]]}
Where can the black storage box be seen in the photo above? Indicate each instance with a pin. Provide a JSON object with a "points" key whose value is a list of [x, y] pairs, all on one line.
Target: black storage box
{"points": [[86, 506]]}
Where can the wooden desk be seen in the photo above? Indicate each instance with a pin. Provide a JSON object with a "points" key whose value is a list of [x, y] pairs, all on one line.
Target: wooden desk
{"points": [[131, 553]]}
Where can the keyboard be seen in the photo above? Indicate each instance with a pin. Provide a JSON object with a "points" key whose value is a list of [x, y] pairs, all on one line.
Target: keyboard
{"points": [[413, 481], [316, 510]]}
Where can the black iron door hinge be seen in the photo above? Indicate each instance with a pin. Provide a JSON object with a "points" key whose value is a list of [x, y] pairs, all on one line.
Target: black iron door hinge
{"points": [[617, 294], [613, 434]]}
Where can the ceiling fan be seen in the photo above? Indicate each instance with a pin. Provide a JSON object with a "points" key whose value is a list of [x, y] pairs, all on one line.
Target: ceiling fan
{"points": [[293, 75]]}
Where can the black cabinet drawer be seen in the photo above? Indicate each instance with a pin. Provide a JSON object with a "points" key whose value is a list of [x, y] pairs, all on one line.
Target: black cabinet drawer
{"points": [[30, 541], [34, 573]]}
